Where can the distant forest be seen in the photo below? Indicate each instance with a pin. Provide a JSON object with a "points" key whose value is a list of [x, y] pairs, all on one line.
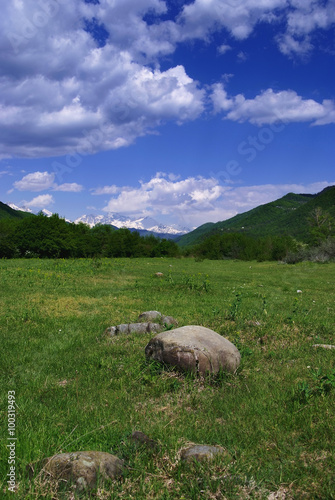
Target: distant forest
{"points": [[52, 237]]}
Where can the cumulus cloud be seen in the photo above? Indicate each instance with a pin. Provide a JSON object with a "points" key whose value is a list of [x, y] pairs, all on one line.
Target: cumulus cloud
{"points": [[196, 200], [37, 181], [71, 187], [181, 199], [65, 91], [43, 181], [41, 201], [270, 107], [240, 17]]}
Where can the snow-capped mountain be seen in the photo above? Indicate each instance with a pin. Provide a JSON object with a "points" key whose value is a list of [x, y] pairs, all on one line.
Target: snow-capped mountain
{"points": [[26, 209], [138, 223], [22, 209], [141, 224]]}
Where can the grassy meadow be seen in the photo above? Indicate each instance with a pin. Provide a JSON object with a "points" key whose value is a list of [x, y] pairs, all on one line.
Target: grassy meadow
{"points": [[76, 389]]}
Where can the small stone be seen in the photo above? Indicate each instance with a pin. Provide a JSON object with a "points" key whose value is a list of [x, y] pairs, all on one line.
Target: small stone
{"points": [[325, 346], [127, 328], [150, 316], [169, 321], [201, 452], [124, 328], [155, 327], [138, 328], [142, 439], [110, 331]]}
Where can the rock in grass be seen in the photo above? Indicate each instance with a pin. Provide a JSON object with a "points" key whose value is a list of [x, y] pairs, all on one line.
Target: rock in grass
{"points": [[201, 452], [148, 316], [158, 317], [128, 328], [194, 348], [140, 438], [169, 321], [83, 468], [149, 322], [325, 346]]}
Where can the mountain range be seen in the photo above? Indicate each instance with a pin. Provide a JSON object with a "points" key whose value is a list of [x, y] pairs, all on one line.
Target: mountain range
{"points": [[143, 225], [286, 216]]}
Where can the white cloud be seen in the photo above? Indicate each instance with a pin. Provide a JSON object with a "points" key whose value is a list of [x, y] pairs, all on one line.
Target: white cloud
{"points": [[292, 46], [62, 92], [106, 190], [5, 172], [42, 181], [165, 194], [41, 201], [72, 187], [222, 49], [245, 198], [37, 181], [202, 17], [103, 97], [270, 107], [194, 201]]}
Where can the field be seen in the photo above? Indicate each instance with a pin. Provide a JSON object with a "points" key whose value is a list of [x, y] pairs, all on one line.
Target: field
{"points": [[76, 389]]}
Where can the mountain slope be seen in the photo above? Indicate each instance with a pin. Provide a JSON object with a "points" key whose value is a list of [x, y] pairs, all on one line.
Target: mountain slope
{"points": [[6, 212], [285, 216]]}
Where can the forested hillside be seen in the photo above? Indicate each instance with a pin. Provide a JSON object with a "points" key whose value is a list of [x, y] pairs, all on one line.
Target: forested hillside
{"points": [[7, 212], [53, 237], [287, 216]]}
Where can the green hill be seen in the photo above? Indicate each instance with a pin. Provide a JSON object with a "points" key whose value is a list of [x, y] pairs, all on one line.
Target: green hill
{"points": [[7, 212], [285, 216]]}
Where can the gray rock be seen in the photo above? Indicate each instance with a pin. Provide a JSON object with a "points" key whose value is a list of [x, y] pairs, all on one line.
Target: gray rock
{"points": [[155, 327], [83, 468], [139, 328], [325, 346], [110, 331], [124, 328], [201, 452], [127, 328], [140, 438], [150, 316], [169, 321], [194, 348]]}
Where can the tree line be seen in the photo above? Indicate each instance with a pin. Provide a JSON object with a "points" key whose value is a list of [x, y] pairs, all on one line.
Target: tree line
{"points": [[53, 237]]}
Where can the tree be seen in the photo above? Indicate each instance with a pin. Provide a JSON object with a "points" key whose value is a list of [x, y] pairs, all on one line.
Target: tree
{"points": [[321, 225]]}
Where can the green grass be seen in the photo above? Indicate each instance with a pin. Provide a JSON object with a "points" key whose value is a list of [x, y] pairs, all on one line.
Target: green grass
{"points": [[77, 390]]}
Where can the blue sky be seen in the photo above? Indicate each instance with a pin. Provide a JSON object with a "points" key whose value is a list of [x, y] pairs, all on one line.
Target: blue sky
{"points": [[186, 111]]}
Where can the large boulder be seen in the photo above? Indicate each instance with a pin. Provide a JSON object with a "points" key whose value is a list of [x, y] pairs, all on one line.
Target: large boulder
{"points": [[194, 348], [83, 468]]}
